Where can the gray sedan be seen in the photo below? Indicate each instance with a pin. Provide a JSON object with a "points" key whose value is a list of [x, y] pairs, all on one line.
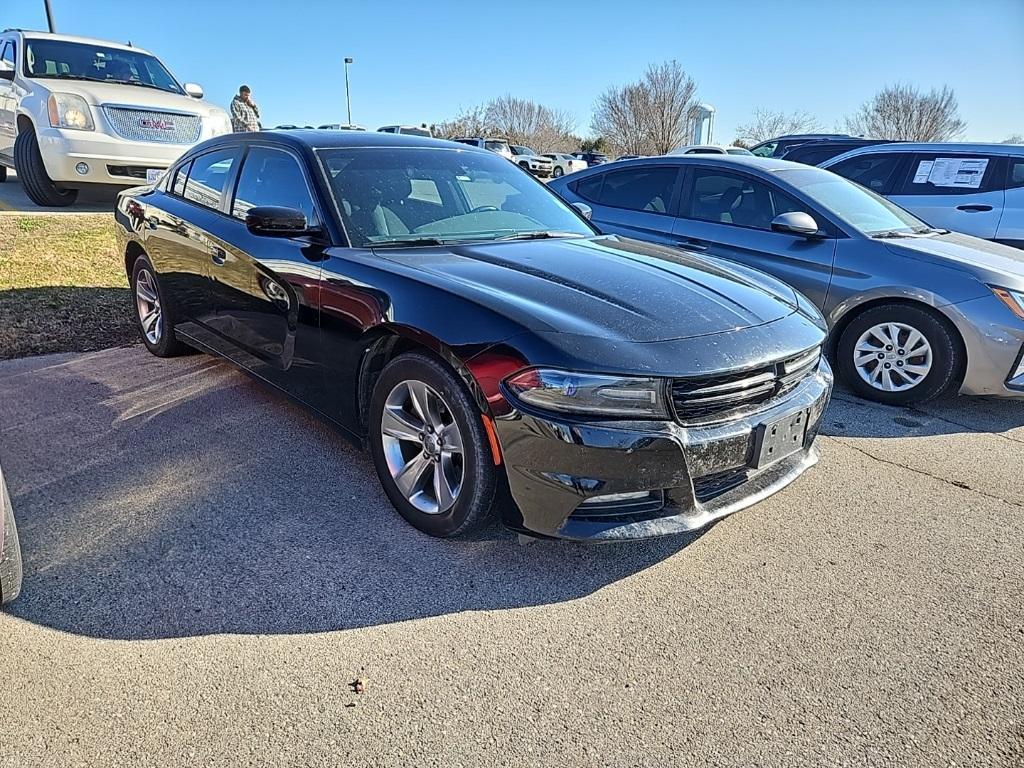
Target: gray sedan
{"points": [[915, 311]]}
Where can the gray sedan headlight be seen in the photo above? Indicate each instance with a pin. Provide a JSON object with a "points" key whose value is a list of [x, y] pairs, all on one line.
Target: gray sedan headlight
{"points": [[1014, 300], [590, 394]]}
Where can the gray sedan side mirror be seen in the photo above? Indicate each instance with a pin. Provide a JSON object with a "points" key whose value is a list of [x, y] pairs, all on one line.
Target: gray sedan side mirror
{"points": [[795, 223], [193, 90], [585, 210]]}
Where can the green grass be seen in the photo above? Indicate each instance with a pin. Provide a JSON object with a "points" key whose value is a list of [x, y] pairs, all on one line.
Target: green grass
{"points": [[62, 286]]}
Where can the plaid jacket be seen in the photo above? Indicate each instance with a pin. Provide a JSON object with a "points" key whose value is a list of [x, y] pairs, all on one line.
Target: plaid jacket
{"points": [[244, 117]]}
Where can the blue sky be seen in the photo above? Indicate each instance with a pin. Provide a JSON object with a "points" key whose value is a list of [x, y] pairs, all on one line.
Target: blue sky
{"points": [[423, 61]]}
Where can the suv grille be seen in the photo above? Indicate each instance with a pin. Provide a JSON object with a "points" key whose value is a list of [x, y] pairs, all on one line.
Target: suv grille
{"points": [[137, 124], [704, 398]]}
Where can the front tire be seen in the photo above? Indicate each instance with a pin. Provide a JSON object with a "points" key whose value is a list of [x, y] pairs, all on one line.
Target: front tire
{"points": [[38, 186], [899, 355], [153, 313], [429, 447]]}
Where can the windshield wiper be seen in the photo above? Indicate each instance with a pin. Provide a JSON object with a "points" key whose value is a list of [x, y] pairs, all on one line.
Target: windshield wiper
{"points": [[541, 235], [69, 76], [140, 84], [890, 233], [408, 241], [930, 231]]}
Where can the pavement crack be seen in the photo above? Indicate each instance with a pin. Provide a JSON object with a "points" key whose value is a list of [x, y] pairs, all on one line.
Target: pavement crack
{"points": [[944, 480]]}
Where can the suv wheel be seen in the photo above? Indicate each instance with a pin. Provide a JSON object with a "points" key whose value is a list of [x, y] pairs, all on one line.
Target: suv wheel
{"points": [[32, 173], [899, 355], [429, 447]]}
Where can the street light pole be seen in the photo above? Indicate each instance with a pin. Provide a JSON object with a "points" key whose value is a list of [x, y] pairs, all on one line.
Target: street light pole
{"points": [[49, 16], [348, 97]]}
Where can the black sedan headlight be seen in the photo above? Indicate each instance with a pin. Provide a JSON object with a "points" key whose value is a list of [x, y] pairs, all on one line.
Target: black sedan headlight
{"points": [[589, 394]]}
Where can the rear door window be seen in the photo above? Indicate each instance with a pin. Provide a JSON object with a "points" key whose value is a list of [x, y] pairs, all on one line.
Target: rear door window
{"points": [[648, 189], [945, 173], [209, 176], [873, 171], [728, 198]]}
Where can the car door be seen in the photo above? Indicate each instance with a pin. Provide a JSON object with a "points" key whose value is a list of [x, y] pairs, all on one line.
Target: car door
{"points": [[8, 102], [637, 201], [963, 192], [1011, 223], [728, 214], [266, 290]]}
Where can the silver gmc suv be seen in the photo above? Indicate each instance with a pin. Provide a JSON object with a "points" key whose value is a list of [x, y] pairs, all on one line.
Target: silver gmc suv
{"points": [[78, 113]]}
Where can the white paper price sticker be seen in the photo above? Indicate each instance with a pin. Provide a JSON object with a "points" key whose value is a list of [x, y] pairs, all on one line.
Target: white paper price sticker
{"points": [[960, 172]]}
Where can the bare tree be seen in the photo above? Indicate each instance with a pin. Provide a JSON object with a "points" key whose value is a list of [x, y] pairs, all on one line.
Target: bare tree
{"points": [[903, 113], [768, 124], [1017, 138], [521, 121], [649, 117]]}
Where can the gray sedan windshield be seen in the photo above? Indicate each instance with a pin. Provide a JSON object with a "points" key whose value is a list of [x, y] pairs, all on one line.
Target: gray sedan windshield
{"points": [[859, 207]]}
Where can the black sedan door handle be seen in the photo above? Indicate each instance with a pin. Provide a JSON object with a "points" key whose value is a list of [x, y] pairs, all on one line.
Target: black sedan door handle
{"points": [[218, 255], [974, 208]]}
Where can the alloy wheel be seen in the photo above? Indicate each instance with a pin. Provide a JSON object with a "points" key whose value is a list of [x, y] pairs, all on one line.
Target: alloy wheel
{"points": [[423, 447], [147, 300], [892, 357]]}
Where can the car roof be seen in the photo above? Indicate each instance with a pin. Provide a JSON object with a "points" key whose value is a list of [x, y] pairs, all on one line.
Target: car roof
{"points": [[768, 164], [320, 138], [76, 39]]}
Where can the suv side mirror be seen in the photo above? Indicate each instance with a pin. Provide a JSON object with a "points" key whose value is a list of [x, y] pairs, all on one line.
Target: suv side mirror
{"points": [[585, 210], [796, 223], [193, 90], [274, 221]]}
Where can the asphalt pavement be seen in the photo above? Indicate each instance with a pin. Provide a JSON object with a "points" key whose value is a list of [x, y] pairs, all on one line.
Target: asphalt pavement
{"points": [[14, 200], [209, 569]]}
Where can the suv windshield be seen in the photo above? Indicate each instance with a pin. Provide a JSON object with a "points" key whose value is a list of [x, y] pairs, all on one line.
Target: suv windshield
{"points": [[497, 146], [63, 60], [409, 195], [861, 208]]}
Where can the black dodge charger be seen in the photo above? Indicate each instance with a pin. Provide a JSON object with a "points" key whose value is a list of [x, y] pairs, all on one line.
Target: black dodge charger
{"points": [[491, 349]]}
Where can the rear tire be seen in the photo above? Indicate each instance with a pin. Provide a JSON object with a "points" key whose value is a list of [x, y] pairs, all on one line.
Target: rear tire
{"points": [[557, 171], [154, 317], [403, 447], [10, 556], [32, 173], [899, 355]]}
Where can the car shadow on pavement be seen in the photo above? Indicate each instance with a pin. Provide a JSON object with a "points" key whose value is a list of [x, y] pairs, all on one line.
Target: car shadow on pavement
{"points": [[851, 416], [173, 498]]}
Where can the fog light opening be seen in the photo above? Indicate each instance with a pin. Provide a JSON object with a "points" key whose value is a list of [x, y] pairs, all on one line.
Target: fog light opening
{"points": [[612, 498], [82, 169]]}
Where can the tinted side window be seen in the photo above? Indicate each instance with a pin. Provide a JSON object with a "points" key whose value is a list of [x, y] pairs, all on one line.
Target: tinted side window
{"points": [[871, 171], [726, 198], [180, 177], [639, 189], [765, 150], [272, 177], [590, 187], [1015, 178], [208, 176], [815, 155], [942, 173]]}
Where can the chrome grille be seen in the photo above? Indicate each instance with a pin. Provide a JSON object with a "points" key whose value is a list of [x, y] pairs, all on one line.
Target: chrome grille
{"points": [[705, 398], [136, 124]]}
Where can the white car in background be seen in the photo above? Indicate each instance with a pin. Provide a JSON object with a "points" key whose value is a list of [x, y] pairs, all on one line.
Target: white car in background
{"points": [[977, 189], [709, 149], [563, 163], [77, 113], [408, 130], [497, 146], [527, 159]]}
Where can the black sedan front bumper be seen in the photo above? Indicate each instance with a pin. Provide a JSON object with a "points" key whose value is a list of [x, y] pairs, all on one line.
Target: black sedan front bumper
{"points": [[692, 475]]}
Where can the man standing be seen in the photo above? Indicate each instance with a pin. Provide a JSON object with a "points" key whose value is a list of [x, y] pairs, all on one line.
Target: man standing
{"points": [[245, 115]]}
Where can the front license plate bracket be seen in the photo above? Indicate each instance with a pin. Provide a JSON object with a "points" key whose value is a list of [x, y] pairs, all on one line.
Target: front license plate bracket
{"points": [[775, 440]]}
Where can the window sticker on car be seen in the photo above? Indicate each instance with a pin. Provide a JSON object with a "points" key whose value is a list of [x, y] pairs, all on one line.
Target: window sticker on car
{"points": [[952, 172]]}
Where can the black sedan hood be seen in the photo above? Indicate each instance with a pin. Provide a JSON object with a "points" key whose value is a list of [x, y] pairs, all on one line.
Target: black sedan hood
{"points": [[608, 287]]}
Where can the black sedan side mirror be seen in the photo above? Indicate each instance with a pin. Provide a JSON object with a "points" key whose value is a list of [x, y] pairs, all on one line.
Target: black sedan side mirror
{"points": [[275, 221], [796, 223]]}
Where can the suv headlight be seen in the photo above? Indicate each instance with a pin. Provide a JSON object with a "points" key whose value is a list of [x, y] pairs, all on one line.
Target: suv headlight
{"points": [[220, 123], [590, 394], [1014, 300], [68, 110]]}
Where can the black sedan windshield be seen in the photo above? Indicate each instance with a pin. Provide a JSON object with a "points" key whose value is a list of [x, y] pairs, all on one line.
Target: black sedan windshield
{"points": [[63, 60], [417, 196]]}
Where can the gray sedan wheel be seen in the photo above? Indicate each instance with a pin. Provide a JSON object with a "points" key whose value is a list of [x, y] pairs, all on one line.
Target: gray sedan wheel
{"points": [[900, 354]]}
